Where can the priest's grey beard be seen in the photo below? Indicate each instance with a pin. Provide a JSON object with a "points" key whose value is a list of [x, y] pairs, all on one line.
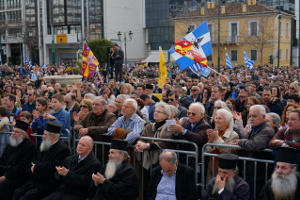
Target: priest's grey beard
{"points": [[45, 145], [14, 142], [229, 185], [111, 168], [284, 186]]}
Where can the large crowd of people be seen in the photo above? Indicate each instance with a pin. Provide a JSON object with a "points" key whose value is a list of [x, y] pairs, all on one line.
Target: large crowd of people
{"points": [[256, 110]]}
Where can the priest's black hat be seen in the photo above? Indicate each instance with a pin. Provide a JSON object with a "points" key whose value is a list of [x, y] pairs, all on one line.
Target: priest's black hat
{"points": [[227, 161], [149, 86], [53, 127], [287, 155], [22, 125], [119, 145]]}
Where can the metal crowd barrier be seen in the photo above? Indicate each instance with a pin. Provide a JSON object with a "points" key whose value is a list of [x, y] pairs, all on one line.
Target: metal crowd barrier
{"points": [[65, 139], [244, 159], [189, 154]]}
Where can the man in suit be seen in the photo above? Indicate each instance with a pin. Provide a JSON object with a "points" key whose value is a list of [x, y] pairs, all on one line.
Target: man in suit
{"points": [[14, 161], [75, 174], [172, 180], [195, 94], [52, 153], [117, 180], [118, 57], [227, 185], [71, 107]]}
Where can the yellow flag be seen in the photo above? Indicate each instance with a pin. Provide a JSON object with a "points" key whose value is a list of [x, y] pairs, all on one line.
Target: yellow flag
{"points": [[162, 70], [146, 64]]}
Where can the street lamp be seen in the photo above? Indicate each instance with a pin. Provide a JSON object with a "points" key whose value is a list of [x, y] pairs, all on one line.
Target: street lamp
{"points": [[125, 42], [274, 41]]}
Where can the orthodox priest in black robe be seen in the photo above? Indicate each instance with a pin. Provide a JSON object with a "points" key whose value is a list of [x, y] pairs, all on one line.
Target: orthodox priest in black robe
{"points": [[117, 180], [15, 160], [42, 168]]}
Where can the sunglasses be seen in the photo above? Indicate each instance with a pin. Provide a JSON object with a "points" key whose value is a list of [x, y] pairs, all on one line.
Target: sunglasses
{"points": [[191, 113], [171, 99], [83, 106], [30, 95], [218, 107], [292, 88], [194, 90]]}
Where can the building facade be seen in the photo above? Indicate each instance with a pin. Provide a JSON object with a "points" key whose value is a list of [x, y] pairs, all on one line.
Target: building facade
{"points": [[242, 26]]}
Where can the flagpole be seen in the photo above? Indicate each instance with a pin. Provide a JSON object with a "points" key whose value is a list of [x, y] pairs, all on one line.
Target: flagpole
{"points": [[162, 81], [214, 71]]}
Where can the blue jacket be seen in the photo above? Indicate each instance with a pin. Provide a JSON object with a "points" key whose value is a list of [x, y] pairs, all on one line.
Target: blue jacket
{"points": [[28, 107], [63, 118], [192, 100]]}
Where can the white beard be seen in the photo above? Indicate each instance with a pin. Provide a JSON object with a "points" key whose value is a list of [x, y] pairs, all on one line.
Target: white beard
{"points": [[14, 142], [229, 185], [111, 168], [284, 186], [45, 145]]}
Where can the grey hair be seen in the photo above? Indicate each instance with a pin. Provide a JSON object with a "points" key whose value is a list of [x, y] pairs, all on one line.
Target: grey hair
{"points": [[123, 96], [174, 111], [126, 156], [228, 117], [24, 132], [293, 166], [103, 101], [166, 108], [91, 141], [172, 158], [197, 87], [133, 103], [91, 95], [223, 104], [261, 109], [199, 105], [275, 118], [56, 135]]}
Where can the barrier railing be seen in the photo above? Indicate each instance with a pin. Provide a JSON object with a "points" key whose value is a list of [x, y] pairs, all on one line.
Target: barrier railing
{"points": [[193, 154], [244, 159]]}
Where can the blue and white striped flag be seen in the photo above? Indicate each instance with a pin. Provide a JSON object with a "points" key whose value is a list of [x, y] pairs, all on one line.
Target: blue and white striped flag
{"points": [[44, 66], [248, 62], [200, 37], [199, 69], [228, 61], [28, 62]]}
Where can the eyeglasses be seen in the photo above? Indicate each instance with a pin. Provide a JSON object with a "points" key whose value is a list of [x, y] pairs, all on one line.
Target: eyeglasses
{"points": [[83, 106], [97, 104], [218, 107], [30, 95], [194, 90], [224, 89], [189, 81], [171, 99], [292, 88], [157, 111], [191, 113]]}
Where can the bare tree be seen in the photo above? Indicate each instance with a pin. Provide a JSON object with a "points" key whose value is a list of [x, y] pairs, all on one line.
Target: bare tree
{"points": [[259, 37]]}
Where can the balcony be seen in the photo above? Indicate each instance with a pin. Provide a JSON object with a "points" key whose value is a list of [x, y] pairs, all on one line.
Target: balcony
{"points": [[233, 39], [226, 40]]}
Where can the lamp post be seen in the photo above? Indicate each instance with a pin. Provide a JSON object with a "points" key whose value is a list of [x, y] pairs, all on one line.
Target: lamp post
{"points": [[274, 41], [219, 13], [125, 42]]}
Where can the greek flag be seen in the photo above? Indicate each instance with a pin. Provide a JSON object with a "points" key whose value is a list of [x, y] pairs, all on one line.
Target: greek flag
{"points": [[228, 61], [204, 71], [28, 62], [200, 37], [44, 66], [248, 62]]}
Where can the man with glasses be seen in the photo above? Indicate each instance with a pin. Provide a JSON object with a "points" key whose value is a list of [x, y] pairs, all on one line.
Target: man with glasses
{"points": [[189, 85], [97, 121], [253, 89], [15, 160], [195, 94], [193, 129], [173, 100]]}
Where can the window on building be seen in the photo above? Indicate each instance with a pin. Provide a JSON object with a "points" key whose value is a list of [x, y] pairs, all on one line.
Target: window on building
{"points": [[253, 54], [209, 58], [211, 31], [234, 55], [287, 29], [280, 26], [234, 31], [253, 29], [280, 54], [287, 54]]}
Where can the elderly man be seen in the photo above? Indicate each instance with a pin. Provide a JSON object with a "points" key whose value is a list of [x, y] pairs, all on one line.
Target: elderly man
{"points": [[227, 184], [259, 136], [195, 94], [15, 160], [71, 106], [52, 153], [193, 129], [119, 104], [117, 180], [130, 122], [274, 120], [75, 174], [172, 180], [30, 105], [173, 100], [285, 181], [97, 121]]}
